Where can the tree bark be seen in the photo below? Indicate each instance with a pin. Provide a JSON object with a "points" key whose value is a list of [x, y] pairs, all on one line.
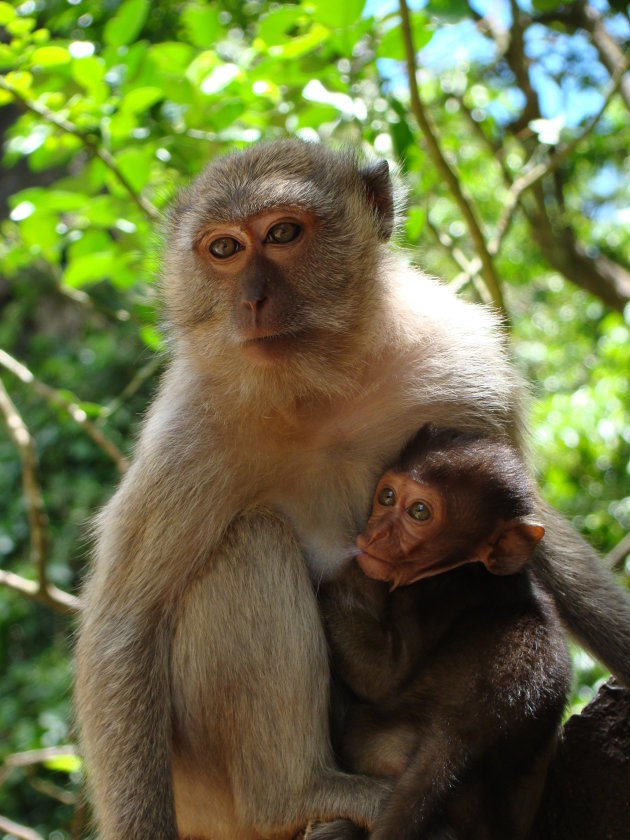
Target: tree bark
{"points": [[587, 795]]}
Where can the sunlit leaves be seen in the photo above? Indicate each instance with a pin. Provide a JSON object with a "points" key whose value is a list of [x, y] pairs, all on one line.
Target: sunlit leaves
{"points": [[127, 23], [201, 24], [141, 99], [50, 56]]}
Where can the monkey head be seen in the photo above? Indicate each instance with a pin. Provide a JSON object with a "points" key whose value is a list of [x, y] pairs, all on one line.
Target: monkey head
{"points": [[449, 502], [273, 255]]}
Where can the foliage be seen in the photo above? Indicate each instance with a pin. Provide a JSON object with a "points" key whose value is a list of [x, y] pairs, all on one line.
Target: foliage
{"points": [[518, 193]]}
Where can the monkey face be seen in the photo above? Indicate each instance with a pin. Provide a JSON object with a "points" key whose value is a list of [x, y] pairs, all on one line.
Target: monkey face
{"points": [[251, 263], [273, 258], [398, 544]]}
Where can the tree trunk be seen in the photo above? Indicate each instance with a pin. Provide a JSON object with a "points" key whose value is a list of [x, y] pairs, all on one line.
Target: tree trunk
{"points": [[587, 795]]}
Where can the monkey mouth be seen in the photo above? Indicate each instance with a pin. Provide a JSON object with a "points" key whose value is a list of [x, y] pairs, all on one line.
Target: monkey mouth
{"points": [[273, 346], [374, 567]]}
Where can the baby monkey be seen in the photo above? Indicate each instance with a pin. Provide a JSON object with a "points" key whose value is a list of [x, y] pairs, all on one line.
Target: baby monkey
{"points": [[452, 669]]}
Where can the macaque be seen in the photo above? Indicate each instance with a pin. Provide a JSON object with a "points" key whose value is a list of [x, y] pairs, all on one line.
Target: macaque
{"points": [[452, 661], [304, 355]]}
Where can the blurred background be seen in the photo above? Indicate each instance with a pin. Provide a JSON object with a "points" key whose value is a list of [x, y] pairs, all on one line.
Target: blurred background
{"points": [[514, 143]]}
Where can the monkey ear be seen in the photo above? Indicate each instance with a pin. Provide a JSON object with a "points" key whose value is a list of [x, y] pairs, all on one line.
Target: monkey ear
{"points": [[511, 546], [380, 195]]}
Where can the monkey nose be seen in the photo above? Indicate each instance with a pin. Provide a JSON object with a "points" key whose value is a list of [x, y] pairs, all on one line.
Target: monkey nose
{"points": [[382, 532], [254, 307]]}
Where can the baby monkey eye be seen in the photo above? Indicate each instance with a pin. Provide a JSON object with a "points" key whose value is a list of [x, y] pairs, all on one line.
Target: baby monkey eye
{"points": [[224, 247], [283, 232], [419, 511], [386, 497]]}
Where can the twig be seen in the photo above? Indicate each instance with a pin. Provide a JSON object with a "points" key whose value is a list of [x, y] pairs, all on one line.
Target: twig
{"points": [[20, 831], [88, 141], [614, 559], [538, 171], [29, 757], [470, 269], [488, 270], [41, 590], [75, 411], [48, 788], [145, 372]]}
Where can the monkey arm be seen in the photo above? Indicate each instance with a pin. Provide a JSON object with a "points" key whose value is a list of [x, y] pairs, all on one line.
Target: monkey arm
{"points": [[147, 554], [123, 705], [365, 643], [351, 635]]}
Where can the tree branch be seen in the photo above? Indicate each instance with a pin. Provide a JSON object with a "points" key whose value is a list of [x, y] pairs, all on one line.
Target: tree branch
{"points": [[75, 411], [145, 372], [41, 590], [19, 831], [615, 558], [88, 141], [470, 269], [536, 172], [580, 14], [598, 274], [488, 270]]}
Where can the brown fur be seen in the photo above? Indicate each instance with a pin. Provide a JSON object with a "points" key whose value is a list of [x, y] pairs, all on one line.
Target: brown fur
{"points": [[386, 350]]}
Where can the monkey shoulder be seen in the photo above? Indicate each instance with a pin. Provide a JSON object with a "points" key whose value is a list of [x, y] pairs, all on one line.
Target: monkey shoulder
{"points": [[444, 338]]}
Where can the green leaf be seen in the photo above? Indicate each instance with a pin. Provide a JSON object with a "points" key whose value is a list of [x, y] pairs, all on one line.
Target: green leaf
{"points": [[135, 164], [102, 211], [7, 13], [170, 57], [121, 125], [89, 269], [338, 14], [20, 26], [88, 72], [201, 24], [273, 27], [39, 231], [547, 5], [8, 57], [141, 99], [451, 9], [50, 199], [127, 23], [50, 56], [91, 242], [201, 66], [65, 763], [303, 44], [151, 338]]}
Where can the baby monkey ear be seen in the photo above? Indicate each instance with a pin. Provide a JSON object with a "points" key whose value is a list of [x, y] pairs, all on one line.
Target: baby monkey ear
{"points": [[380, 195], [511, 546]]}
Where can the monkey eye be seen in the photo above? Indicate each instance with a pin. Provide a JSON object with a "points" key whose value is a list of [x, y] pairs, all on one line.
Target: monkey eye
{"points": [[224, 247], [419, 511], [283, 232], [386, 497]]}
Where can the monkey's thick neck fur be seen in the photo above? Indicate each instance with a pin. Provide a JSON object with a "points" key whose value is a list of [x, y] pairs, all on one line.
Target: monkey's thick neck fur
{"points": [[305, 354]]}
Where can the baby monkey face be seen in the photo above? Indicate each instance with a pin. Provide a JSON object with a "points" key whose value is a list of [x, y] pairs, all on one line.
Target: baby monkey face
{"points": [[399, 541]]}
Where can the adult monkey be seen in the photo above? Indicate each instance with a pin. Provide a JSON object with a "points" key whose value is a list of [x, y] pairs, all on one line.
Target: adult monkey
{"points": [[304, 356]]}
